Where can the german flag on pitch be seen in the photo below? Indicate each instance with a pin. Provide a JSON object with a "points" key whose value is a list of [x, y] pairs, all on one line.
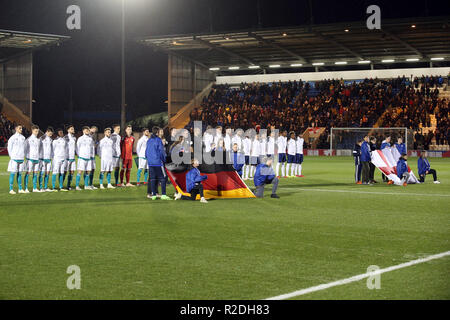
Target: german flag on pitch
{"points": [[223, 181]]}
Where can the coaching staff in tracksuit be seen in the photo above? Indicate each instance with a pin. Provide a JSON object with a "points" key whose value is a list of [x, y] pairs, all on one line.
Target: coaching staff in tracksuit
{"points": [[156, 158], [357, 156], [365, 161]]}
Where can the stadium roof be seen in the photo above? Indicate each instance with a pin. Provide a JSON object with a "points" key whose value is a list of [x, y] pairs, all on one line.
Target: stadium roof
{"points": [[17, 42], [349, 43]]}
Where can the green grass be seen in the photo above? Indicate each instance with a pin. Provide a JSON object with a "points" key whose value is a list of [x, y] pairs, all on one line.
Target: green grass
{"points": [[129, 247]]}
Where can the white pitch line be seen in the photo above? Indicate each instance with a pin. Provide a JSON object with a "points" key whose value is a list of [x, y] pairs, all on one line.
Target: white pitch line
{"points": [[371, 192], [358, 277]]}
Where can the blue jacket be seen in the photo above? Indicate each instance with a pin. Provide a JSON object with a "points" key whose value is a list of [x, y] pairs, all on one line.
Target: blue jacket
{"points": [[192, 177], [155, 153], [402, 167], [264, 174], [401, 148], [365, 151], [238, 161], [423, 165], [385, 145]]}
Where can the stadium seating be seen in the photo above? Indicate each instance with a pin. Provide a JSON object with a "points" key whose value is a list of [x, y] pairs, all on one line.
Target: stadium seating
{"points": [[7, 129], [295, 106]]}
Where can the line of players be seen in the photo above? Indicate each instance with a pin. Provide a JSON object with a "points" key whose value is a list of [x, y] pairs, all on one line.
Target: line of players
{"points": [[45, 157], [290, 151]]}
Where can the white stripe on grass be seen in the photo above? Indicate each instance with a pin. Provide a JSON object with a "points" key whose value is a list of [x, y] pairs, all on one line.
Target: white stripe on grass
{"points": [[369, 192], [357, 277]]}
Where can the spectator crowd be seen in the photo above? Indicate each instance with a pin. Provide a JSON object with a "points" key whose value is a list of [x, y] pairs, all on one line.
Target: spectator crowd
{"points": [[7, 130], [297, 105]]}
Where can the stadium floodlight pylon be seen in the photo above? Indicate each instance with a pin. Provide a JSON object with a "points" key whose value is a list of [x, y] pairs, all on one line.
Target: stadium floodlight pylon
{"points": [[343, 140]]}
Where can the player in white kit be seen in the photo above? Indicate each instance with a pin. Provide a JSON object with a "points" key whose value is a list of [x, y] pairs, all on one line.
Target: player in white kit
{"points": [[142, 160], [227, 139], [93, 133], [270, 150], [115, 136], [281, 149], [237, 139], [299, 155], [32, 154], [255, 152], [16, 152], [246, 147], [291, 149], [46, 158], [59, 160], [71, 165], [84, 152], [105, 151], [263, 145], [208, 139]]}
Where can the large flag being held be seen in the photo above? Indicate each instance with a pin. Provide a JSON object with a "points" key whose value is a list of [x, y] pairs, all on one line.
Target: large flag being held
{"points": [[223, 181], [386, 161]]}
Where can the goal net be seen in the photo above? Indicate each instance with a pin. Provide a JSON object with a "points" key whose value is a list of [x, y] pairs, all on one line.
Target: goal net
{"points": [[343, 140]]}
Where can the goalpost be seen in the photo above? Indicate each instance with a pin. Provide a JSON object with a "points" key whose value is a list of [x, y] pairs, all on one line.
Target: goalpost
{"points": [[343, 140]]}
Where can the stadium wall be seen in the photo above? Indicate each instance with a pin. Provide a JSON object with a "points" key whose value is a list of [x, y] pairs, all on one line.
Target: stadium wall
{"points": [[346, 75], [348, 152], [185, 81]]}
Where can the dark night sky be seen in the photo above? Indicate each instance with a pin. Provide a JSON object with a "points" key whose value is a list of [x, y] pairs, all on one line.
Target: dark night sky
{"points": [[90, 61]]}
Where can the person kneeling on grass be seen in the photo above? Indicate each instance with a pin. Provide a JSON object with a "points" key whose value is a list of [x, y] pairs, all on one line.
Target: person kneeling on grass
{"points": [[402, 169], [193, 184], [425, 168], [265, 175]]}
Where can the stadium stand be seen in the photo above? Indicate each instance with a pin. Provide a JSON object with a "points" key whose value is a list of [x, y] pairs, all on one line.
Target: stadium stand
{"points": [[7, 130], [297, 105]]}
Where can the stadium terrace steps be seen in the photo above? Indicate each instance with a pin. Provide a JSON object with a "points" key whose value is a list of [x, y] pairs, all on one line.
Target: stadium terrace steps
{"points": [[182, 117]]}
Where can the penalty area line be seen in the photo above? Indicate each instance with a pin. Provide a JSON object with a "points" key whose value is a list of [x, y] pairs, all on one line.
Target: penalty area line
{"points": [[357, 277], [371, 192]]}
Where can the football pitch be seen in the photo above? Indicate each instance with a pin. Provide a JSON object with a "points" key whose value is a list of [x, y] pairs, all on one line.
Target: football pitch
{"points": [[324, 228]]}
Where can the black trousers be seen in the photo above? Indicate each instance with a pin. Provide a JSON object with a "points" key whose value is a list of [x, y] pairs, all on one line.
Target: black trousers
{"points": [[431, 171], [372, 171], [365, 172], [198, 189]]}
